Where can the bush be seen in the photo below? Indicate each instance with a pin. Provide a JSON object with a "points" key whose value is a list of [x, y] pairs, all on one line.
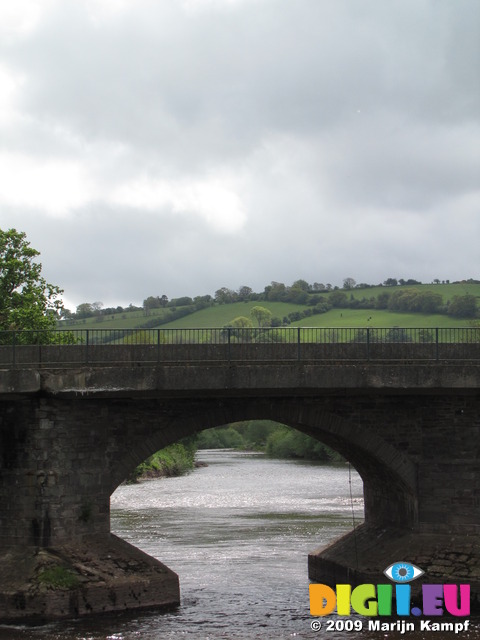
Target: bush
{"points": [[463, 307], [223, 438], [415, 301], [174, 460], [338, 299], [290, 443]]}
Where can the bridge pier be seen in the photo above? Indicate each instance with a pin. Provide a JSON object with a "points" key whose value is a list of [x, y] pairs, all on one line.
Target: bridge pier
{"points": [[57, 555], [69, 438], [361, 557]]}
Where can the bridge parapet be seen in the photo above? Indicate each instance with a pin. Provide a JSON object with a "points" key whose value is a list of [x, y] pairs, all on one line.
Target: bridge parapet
{"points": [[115, 346]]}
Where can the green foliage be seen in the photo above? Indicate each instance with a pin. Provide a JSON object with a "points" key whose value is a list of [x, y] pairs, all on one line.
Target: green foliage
{"points": [[290, 443], [174, 460], [184, 301], [463, 307], [338, 299], [234, 330], [223, 438], [262, 316], [382, 300], [241, 322], [143, 337], [58, 577], [27, 300], [416, 301], [225, 296], [277, 440]]}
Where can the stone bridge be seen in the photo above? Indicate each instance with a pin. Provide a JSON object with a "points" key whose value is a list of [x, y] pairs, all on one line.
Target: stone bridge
{"points": [[71, 432]]}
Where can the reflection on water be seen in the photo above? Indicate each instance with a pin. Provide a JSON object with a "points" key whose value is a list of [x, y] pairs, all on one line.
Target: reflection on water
{"points": [[238, 533]]}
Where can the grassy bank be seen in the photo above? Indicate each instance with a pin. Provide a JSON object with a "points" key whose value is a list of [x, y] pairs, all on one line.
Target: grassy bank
{"points": [[175, 460]]}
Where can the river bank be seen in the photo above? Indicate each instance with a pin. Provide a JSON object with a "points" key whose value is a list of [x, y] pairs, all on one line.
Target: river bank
{"points": [[264, 436], [170, 462]]}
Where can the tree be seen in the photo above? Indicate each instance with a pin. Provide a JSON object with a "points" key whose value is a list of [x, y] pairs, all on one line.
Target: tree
{"points": [[382, 300], [262, 316], [463, 307], [27, 300], [235, 329], [338, 299], [296, 295], [276, 291], [184, 301], [202, 302], [244, 292], [391, 282], [84, 310], [225, 296], [97, 308], [241, 322], [301, 284], [349, 283], [151, 303]]}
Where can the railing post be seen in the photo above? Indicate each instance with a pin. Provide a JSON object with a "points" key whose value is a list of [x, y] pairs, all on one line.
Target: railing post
{"points": [[158, 345], [368, 343], [14, 353], [436, 343], [229, 351], [86, 346], [298, 344]]}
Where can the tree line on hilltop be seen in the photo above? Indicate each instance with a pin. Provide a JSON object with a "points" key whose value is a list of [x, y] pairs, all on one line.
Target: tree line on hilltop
{"points": [[397, 295]]}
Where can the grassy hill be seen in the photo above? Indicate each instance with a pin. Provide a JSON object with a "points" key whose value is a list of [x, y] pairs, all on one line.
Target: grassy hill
{"points": [[219, 315], [448, 291]]}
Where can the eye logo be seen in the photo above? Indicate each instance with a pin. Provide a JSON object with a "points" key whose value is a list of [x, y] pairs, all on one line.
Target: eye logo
{"points": [[403, 572]]}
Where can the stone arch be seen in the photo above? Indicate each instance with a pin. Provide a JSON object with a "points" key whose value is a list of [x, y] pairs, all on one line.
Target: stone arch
{"points": [[389, 476]]}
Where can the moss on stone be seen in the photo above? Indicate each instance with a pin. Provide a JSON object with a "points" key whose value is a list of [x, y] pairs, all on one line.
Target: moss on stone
{"points": [[58, 577]]}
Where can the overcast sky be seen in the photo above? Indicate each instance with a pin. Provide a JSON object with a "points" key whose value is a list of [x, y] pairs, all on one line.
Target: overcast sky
{"points": [[179, 146]]}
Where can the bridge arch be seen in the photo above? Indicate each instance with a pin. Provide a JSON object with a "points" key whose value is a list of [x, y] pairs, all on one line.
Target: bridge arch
{"points": [[389, 476]]}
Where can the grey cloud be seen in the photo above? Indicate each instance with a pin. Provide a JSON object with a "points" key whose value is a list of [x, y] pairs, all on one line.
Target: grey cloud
{"points": [[276, 65], [349, 130]]}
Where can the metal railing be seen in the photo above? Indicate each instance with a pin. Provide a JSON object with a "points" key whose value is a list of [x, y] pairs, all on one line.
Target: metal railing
{"points": [[150, 346]]}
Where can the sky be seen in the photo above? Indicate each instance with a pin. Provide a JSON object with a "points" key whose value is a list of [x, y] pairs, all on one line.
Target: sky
{"points": [[179, 146]]}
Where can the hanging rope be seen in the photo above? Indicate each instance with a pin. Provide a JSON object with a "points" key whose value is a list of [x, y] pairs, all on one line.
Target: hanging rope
{"points": [[353, 514]]}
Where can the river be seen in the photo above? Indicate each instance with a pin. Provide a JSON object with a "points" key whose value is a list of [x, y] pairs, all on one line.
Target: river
{"points": [[238, 533]]}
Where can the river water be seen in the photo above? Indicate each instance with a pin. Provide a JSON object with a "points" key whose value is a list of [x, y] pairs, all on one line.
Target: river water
{"points": [[238, 533]]}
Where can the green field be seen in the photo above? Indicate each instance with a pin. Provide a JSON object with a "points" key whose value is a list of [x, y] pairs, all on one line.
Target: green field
{"points": [[379, 319], [220, 315], [448, 291]]}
